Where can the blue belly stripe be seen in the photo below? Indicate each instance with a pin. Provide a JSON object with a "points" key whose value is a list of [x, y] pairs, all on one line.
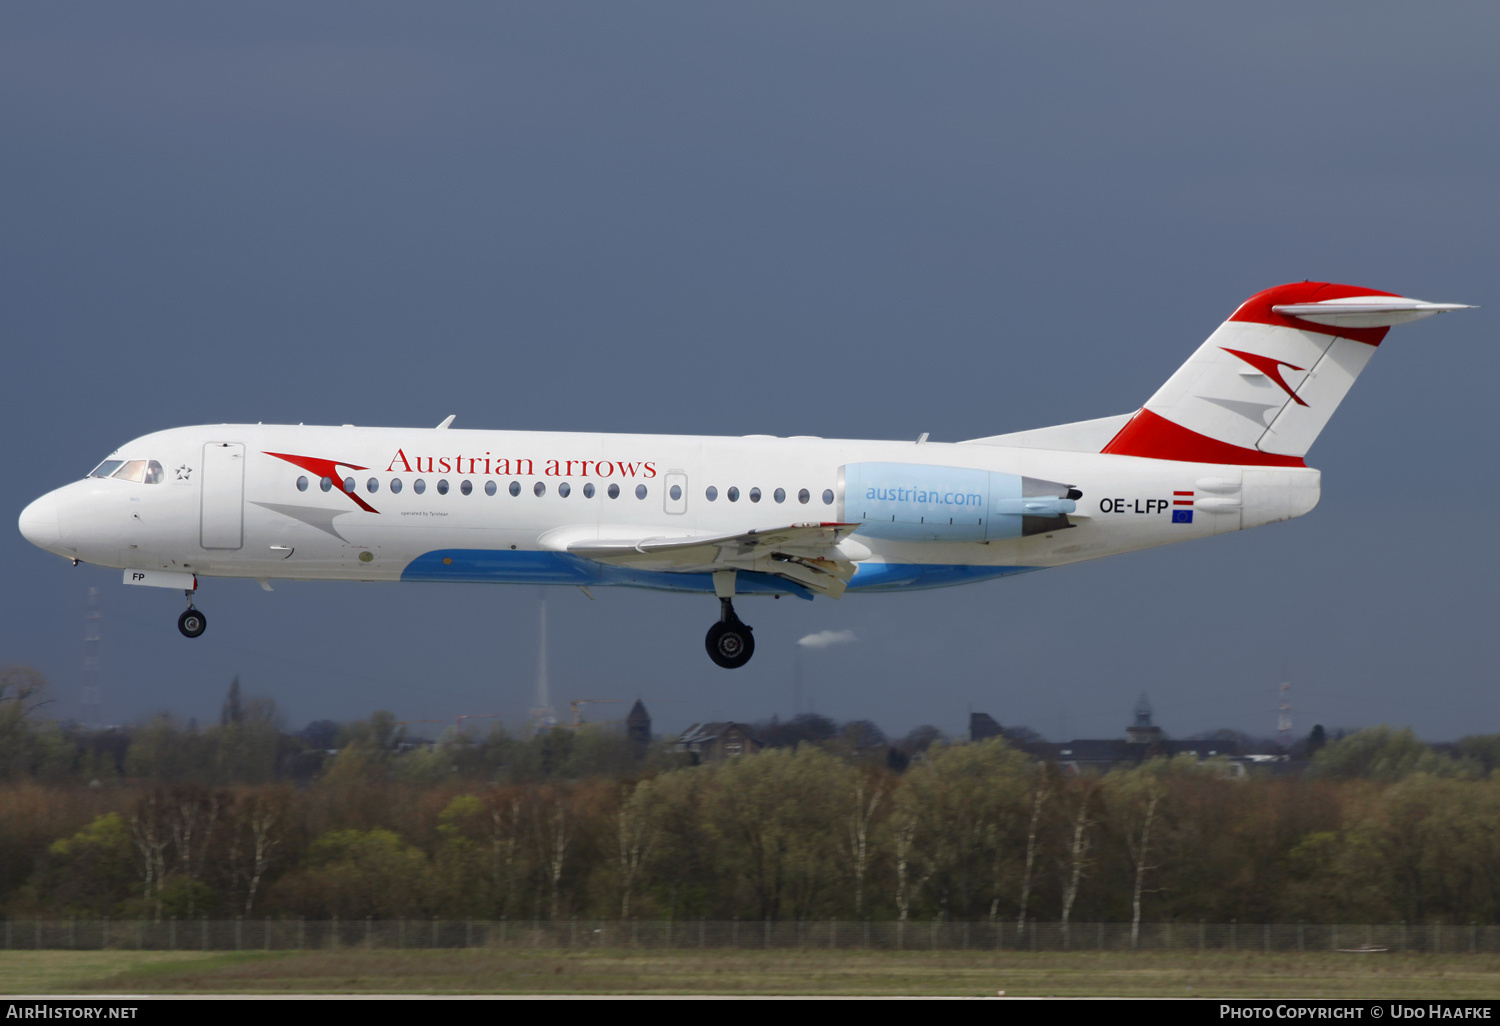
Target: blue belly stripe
{"points": [[910, 576], [505, 566]]}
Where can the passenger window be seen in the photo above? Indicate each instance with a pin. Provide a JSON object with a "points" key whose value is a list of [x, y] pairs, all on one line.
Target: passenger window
{"points": [[676, 492], [755, 495], [154, 473], [614, 491], [395, 486], [828, 496], [539, 489], [372, 485], [564, 489], [419, 486], [349, 485], [515, 488], [106, 468], [779, 495], [327, 484], [489, 488], [640, 491], [302, 484], [134, 470], [588, 490], [733, 495], [711, 493], [442, 486], [466, 487], [802, 496]]}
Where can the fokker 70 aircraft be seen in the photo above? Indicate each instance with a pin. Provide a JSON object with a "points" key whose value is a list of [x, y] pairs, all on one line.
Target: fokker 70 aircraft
{"points": [[1218, 448]]}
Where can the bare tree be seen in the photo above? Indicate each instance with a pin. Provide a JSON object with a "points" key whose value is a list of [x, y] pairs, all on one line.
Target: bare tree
{"points": [[1139, 847], [908, 882], [866, 798], [24, 686], [636, 834], [1076, 858], [263, 820], [193, 815], [1038, 799], [505, 843], [151, 836], [554, 831]]}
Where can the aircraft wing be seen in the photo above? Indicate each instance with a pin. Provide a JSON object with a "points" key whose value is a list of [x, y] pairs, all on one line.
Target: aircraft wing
{"points": [[806, 554]]}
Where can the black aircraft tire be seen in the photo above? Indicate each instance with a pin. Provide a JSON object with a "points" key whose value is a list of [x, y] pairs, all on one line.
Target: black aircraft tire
{"points": [[730, 645], [192, 623]]}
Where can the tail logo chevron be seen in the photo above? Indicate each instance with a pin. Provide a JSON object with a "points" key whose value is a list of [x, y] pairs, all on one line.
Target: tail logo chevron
{"points": [[328, 469], [1271, 368]]}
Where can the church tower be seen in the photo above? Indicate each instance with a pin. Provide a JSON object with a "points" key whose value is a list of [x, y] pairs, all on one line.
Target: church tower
{"points": [[638, 729], [1142, 731]]}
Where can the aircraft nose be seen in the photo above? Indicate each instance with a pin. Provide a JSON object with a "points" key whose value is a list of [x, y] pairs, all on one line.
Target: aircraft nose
{"points": [[39, 522]]}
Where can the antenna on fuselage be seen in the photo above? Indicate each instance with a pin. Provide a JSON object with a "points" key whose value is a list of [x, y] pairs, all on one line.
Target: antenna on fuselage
{"points": [[446, 421]]}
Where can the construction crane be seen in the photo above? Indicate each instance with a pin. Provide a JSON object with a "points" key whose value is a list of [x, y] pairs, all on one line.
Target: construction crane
{"points": [[577, 704], [473, 716], [458, 721]]}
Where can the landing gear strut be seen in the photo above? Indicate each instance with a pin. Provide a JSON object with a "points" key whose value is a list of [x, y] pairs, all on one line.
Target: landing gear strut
{"points": [[730, 643], [192, 623]]}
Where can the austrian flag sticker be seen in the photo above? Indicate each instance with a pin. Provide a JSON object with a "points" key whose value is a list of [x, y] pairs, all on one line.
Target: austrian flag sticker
{"points": [[1182, 507]]}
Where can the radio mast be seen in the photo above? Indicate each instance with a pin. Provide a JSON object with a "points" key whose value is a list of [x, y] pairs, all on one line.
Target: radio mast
{"points": [[543, 714], [1284, 717], [91, 709]]}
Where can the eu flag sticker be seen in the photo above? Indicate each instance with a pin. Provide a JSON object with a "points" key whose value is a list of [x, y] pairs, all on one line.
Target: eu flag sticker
{"points": [[1182, 516]]}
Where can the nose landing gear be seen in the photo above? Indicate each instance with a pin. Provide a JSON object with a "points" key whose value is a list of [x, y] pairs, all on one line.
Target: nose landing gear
{"points": [[730, 643], [192, 623]]}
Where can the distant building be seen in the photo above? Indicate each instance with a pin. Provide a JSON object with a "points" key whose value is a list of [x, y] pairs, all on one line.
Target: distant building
{"points": [[1143, 731], [638, 728], [982, 726], [711, 742], [1143, 740]]}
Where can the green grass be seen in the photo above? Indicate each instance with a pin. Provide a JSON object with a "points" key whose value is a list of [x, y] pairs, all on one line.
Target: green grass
{"points": [[69, 972], [499, 971]]}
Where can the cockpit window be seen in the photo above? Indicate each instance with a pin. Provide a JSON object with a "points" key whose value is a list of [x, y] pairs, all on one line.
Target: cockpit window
{"points": [[139, 471]]}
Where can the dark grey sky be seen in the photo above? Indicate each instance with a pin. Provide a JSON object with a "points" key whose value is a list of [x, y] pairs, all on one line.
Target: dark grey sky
{"points": [[841, 219]]}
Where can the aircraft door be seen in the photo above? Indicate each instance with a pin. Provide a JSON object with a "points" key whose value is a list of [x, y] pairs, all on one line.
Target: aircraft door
{"points": [[674, 491], [222, 503]]}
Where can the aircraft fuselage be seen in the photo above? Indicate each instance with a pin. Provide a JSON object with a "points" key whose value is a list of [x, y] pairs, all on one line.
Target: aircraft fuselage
{"points": [[392, 504]]}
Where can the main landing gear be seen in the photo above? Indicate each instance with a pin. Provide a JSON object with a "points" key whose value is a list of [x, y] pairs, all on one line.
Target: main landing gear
{"points": [[192, 623], [730, 643]]}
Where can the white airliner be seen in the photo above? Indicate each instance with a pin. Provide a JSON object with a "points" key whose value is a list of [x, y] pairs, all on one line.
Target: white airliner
{"points": [[1218, 448]]}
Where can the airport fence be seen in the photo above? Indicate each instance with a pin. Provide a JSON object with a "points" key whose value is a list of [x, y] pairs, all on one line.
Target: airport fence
{"points": [[268, 934]]}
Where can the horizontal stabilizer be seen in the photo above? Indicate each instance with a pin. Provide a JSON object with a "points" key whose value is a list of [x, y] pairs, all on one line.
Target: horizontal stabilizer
{"points": [[1366, 311]]}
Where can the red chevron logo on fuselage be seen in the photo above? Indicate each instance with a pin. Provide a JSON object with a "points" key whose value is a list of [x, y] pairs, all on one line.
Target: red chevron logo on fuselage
{"points": [[1271, 368], [329, 469]]}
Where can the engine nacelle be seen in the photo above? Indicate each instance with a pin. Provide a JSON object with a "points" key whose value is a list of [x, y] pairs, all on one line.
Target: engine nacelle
{"points": [[922, 502]]}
